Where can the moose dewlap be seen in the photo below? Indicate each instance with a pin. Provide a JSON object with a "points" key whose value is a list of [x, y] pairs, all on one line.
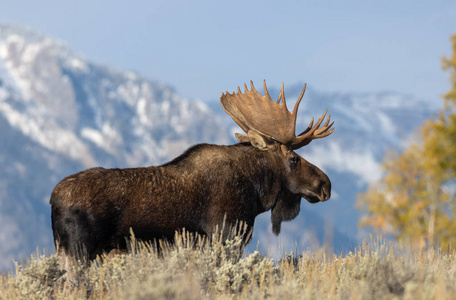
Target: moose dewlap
{"points": [[199, 190]]}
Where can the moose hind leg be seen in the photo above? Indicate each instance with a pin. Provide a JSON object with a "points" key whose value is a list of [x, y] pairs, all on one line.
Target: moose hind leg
{"points": [[81, 235]]}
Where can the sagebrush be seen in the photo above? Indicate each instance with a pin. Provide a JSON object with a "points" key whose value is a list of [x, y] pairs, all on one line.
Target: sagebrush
{"points": [[192, 269]]}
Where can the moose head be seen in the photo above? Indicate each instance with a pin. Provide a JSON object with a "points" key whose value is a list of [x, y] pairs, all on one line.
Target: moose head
{"points": [[270, 126]]}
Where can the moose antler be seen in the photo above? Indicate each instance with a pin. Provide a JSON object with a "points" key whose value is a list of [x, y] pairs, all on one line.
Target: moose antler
{"points": [[252, 111]]}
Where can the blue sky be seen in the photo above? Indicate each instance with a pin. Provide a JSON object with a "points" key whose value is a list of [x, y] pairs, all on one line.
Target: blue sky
{"points": [[205, 47]]}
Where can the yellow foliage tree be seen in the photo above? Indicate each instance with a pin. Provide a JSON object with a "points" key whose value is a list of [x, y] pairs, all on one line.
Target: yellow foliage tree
{"points": [[415, 200]]}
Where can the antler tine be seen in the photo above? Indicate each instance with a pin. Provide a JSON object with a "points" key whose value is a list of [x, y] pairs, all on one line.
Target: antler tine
{"points": [[252, 87], [317, 125], [325, 127], [327, 120], [308, 127], [324, 131], [282, 96], [324, 134], [295, 109], [266, 92], [314, 132]]}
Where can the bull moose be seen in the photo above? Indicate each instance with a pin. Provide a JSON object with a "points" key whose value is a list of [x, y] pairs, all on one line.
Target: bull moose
{"points": [[199, 190]]}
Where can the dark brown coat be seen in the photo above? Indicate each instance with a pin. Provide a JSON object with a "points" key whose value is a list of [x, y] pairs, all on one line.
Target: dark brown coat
{"points": [[96, 208]]}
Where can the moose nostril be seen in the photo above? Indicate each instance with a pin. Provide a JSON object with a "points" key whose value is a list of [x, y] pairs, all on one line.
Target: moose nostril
{"points": [[326, 192]]}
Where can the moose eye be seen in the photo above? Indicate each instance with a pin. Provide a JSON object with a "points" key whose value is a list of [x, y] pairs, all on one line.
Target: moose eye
{"points": [[293, 161]]}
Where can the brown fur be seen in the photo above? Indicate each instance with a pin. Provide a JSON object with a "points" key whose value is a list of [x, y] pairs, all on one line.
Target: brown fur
{"points": [[93, 210]]}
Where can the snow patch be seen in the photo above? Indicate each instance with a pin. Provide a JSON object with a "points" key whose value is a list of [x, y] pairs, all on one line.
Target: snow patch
{"points": [[48, 135], [361, 163], [93, 135], [78, 65], [107, 139], [386, 124]]}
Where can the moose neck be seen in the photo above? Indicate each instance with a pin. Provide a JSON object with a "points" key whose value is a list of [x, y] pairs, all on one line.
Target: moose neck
{"points": [[266, 173], [212, 165]]}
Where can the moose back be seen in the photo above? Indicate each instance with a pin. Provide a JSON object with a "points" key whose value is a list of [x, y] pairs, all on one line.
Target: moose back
{"points": [[206, 186]]}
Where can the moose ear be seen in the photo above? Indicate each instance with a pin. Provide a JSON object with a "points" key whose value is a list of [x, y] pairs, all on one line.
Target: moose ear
{"points": [[260, 142], [242, 138]]}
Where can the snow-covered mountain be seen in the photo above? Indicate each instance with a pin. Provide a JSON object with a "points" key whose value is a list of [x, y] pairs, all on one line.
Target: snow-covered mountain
{"points": [[61, 113]]}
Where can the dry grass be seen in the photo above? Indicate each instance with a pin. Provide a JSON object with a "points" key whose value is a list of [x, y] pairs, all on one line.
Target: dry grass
{"points": [[193, 270]]}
